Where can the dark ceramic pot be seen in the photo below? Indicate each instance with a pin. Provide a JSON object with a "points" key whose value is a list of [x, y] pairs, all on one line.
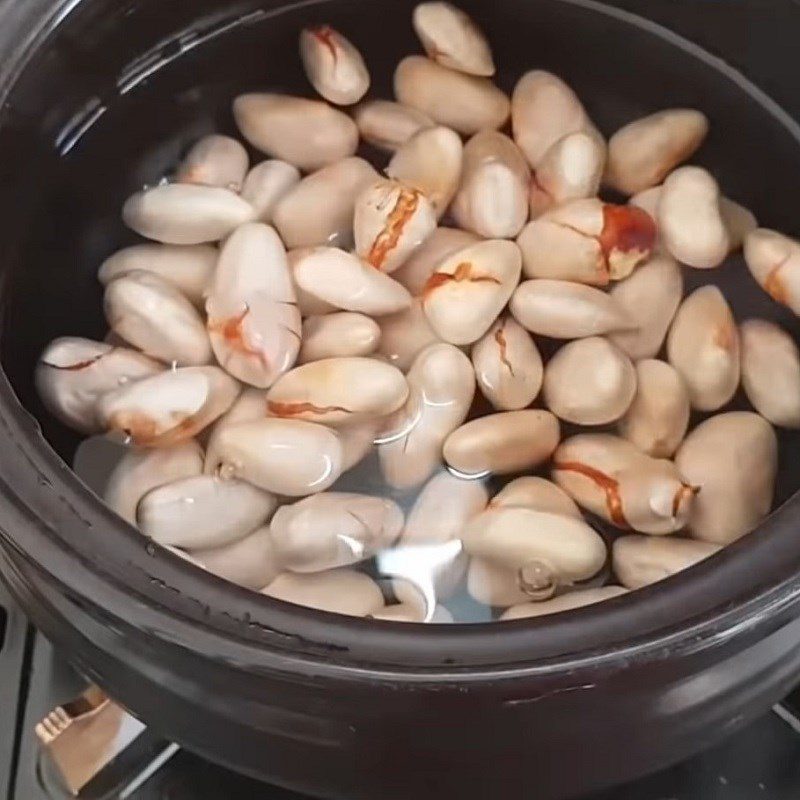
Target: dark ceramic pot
{"points": [[98, 97]]}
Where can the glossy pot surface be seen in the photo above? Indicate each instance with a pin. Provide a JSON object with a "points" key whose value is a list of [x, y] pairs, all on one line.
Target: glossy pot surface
{"points": [[99, 97]]}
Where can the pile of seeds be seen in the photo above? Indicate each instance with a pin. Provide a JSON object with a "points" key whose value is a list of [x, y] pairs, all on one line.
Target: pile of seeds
{"points": [[307, 325]]}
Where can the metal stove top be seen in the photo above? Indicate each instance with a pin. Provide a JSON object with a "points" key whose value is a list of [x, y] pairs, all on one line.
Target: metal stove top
{"points": [[761, 763]]}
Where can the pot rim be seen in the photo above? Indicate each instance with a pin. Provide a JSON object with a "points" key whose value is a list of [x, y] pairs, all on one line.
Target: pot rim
{"points": [[63, 529]]}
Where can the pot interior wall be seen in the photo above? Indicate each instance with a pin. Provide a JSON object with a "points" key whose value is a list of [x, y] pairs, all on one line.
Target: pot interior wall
{"points": [[119, 90]]}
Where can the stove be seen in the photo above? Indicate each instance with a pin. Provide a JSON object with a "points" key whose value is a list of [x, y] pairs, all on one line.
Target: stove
{"points": [[60, 737]]}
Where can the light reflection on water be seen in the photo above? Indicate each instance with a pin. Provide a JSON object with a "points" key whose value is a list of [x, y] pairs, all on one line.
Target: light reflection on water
{"points": [[427, 576]]}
